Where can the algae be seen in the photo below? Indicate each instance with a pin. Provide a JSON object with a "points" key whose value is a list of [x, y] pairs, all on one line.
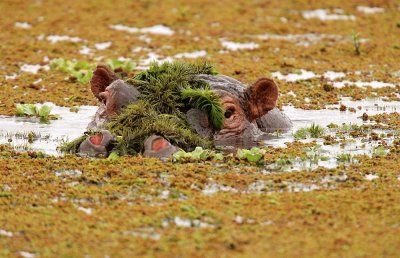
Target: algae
{"points": [[120, 208]]}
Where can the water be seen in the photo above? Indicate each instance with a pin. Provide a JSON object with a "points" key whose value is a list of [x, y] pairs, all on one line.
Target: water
{"points": [[69, 126], [72, 125]]}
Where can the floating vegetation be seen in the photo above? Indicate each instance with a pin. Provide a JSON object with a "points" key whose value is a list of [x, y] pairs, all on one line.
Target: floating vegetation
{"points": [[345, 158], [314, 131], [140, 120], [82, 71], [253, 211], [32, 110], [380, 151], [78, 70], [255, 154], [199, 154], [117, 64]]}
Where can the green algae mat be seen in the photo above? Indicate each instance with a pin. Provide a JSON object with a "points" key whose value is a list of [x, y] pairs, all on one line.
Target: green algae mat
{"points": [[285, 204]]}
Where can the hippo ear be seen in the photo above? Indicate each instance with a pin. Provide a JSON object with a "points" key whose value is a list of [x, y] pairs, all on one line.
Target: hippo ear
{"points": [[102, 77], [261, 97]]}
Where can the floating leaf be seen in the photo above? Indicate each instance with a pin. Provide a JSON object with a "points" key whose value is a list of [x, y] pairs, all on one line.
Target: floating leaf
{"points": [[44, 111]]}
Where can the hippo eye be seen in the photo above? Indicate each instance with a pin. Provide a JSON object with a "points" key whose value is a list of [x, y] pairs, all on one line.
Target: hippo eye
{"points": [[228, 113]]}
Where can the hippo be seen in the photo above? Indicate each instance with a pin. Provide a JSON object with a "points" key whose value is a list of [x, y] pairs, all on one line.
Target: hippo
{"points": [[249, 112]]}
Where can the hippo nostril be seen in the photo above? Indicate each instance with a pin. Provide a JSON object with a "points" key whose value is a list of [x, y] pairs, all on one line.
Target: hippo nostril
{"points": [[228, 113], [159, 144], [96, 139]]}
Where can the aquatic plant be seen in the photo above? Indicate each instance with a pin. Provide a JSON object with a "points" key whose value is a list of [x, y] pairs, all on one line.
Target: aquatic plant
{"points": [[344, 157], [80, 70], [199, 154], [162, 86], [140, 120], [83, 71], [356, 42], [113, 156], [314, 131], [207, 100], [29, 110], [253, 155], [379, 151], [301, 134], [125, 65], [282, 163]]}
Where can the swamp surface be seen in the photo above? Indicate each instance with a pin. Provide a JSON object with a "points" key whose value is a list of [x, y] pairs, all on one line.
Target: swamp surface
{"points": [[330, 187]]}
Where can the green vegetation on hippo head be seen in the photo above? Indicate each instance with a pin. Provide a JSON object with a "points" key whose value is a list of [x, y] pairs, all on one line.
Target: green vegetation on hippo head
{"points": [[174, 87], [165, 93], [140, 120]]}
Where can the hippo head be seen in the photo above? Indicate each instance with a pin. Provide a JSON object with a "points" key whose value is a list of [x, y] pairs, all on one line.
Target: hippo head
{"points": [[243, 106], [114, 94], [245, 109]]}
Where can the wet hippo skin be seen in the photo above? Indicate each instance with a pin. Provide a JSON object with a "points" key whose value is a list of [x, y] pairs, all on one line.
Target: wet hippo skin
{"points": [[250, 111]]}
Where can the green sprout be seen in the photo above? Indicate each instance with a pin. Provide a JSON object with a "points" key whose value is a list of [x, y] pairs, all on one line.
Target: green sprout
{"points": [[314, 131], [344, 157], [356, 43]]}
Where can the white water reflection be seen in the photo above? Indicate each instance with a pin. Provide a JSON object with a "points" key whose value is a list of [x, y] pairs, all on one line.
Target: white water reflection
{"points": [[70, 125], [15, 130], [327, 15], [330, 155]]}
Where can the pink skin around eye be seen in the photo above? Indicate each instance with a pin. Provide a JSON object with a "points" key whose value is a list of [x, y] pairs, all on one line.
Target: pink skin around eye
{"points": [[96, 139]]}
